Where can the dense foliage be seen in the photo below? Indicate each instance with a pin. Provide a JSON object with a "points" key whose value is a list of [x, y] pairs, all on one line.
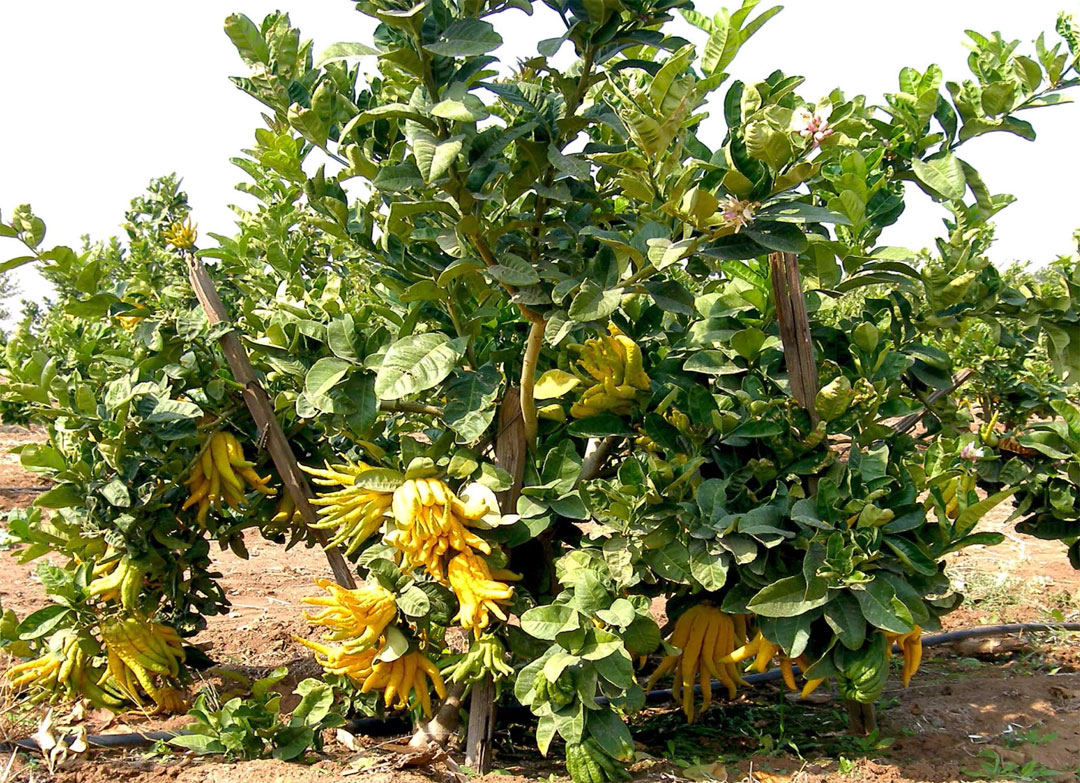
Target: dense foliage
{"points": [[453, 240]]}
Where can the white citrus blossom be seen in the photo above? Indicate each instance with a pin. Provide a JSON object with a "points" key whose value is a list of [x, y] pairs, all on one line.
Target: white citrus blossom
{"points": [[970, 452], [810, 125], [737, 213]]}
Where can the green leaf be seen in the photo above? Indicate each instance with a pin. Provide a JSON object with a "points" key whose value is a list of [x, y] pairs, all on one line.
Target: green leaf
{"points": [[911, 555], [316, 703], [470, 405], [341, 338], [880, 606], [116, 492], [247, 39], [42, 622], [433, 157], [343, 51], [414, 602], [748, 342], [943, 174], [466, 38], [708, 569], [379, 479], [712, 363], [415, 363], [61, 496], [547, 622], [290, 742], [514, 271], [970, 516], [608, 729], [397, 644], [785, 598], [781, 237], [322, 378], [174, 410], [200, 744], [845, 617], [592, 303]]}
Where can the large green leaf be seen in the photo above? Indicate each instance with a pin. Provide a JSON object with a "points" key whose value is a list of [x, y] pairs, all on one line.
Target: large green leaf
{"points": [[547, 622], [322, 378], [466, 38], [943, 175], [880, 606], [416, 363], [470, 402], [785, 598], [593, 303]]}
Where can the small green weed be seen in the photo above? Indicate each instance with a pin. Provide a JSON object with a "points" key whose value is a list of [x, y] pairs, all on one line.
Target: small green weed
{"points": [[994, 767]]}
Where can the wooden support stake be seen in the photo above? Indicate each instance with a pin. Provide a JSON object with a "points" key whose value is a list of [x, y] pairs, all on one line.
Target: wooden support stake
{"points": [[510, 450], [803, 377], [263, 413], [481, 726], [794, 330]]}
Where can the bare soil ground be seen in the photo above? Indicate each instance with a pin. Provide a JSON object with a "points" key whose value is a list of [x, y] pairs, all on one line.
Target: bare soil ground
{"points": [[1001, 710]]}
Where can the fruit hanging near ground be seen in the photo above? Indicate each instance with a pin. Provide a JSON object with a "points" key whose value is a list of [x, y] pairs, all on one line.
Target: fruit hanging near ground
{"points": [[910, 645], [143, 659], [706, 638]]}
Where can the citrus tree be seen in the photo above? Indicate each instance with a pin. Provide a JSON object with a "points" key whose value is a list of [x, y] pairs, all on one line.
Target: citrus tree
{"points": [[521, 325]]}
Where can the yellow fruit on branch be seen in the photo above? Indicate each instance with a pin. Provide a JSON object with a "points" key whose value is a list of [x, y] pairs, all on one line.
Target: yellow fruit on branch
{"points": [[478, 593], [406, 675], [614, 363], [431, 525], [356, 617], [706, 638], [355, 513], [182, 236], [143, 658], [910, 645], [222, 475]]}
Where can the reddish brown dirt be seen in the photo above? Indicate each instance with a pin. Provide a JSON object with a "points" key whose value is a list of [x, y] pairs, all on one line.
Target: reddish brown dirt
{"points": [[957, 707]]}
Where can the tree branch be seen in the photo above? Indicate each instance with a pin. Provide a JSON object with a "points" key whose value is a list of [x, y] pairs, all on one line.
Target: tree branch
{"points": [[398, 406], [528, 381]]}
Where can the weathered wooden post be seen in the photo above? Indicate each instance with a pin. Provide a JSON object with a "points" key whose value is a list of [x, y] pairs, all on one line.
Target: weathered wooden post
{"points": [[262, 412], [802, 375]]}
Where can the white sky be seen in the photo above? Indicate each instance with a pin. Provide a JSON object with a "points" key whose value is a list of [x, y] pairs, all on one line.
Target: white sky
{"points": [[102, 96]]}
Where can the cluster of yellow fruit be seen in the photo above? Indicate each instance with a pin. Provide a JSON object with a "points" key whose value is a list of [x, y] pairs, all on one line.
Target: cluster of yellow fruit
{"points": [[431, 531], [355, 513], [138, 652], [65, 669], [614, 365], [763, 651], [705, 637], [711, 644], [222, 474], [117, 579], [357, 620], [910, 645]]}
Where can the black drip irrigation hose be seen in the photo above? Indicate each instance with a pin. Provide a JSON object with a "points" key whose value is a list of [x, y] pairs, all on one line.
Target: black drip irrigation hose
{"points": [[515, 713]]}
